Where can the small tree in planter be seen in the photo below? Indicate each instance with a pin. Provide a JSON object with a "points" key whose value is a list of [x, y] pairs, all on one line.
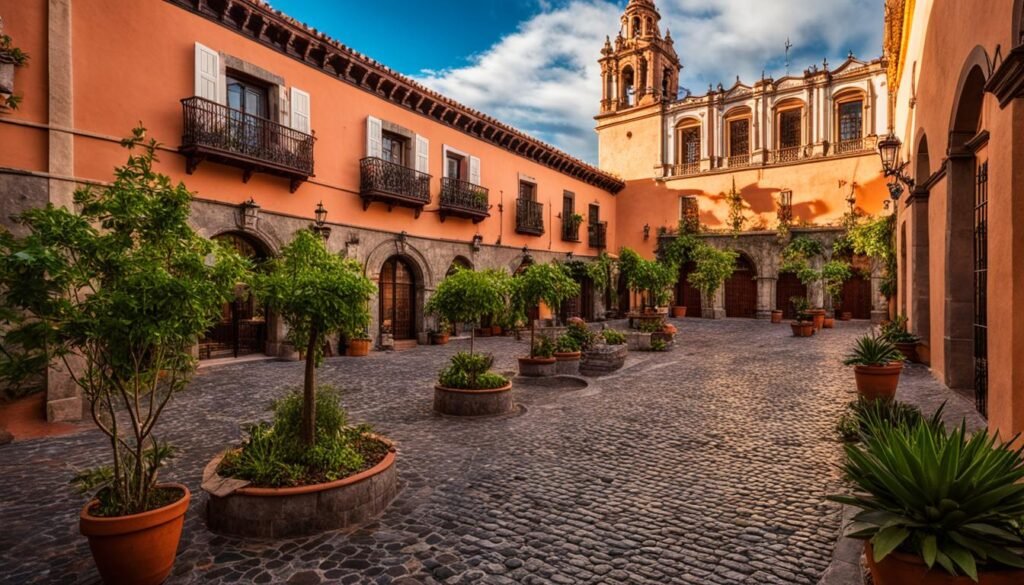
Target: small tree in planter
{"points": [[542, 283], [834, 275], [318, 294], [798, 258], [467, 296], [712, 268], [120, 294]]}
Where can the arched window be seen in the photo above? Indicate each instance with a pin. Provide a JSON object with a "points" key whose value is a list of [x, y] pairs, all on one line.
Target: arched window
{"points": [[737, 134], [627, 86], [636, 26], [688, 147]]}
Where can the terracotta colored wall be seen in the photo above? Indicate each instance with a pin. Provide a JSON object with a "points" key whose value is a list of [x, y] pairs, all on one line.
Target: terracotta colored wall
{"points": [[818, 197], [136, 65], [21, 147], [943, 36], [629, 144]]}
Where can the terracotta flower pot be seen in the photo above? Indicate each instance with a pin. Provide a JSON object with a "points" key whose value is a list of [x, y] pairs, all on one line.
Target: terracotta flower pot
{"points": [[846, 316], [137, 549], [829, 323], [802, 328], [903, 569], [878, 382], [678, 312], [567, 356], [496, 330], [537, 367], [359, 347], [909, 350], [819, 317], [439, 338], [776, 317]]}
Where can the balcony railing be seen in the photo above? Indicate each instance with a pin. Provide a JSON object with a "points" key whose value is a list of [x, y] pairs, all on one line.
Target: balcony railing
{"points": [[738, 160], [788, 154], [684, 169], [598, 235], [529, 217], [221, 134], [393, 184], [851, 145], [464, 199], [570, 230]]}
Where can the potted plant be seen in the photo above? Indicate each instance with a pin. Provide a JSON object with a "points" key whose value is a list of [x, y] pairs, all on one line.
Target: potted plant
{"points": [[678, 311], [567, 354], [119, 295], [441, 335], [877, 366], [360, 342], [798, 257], [548, 284], [711, 269], [777, 315], [896, 332], [11, 58], [833, 275], [803, 326], [937, 507], [606, 354], [467, 387]]}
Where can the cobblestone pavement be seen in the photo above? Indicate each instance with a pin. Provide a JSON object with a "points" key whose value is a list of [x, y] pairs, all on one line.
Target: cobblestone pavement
{"points": [[706, 464]]}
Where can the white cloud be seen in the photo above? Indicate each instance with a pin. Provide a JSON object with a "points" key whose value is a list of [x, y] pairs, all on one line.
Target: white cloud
{"points": [[544, 77]]}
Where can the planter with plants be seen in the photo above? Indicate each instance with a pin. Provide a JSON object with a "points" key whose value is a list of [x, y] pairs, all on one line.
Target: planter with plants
{"points": [[666, 335], [567, 355], [896, 332], [937, 506], [712, 267], [359, 345], [605, 355], [467, 386], [11, 58], [777, 316], [442, 333], [308, 470], [678, 312], [877, 367], [651, 280], [803, 326], [834, 275], [118, 296], [548, 284]]}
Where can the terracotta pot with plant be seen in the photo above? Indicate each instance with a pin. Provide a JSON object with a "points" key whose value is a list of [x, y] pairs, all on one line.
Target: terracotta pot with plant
{"points": [[803, 326], [548, 284], [937, 506], [896, 332], [877, 367], [118, 295], [777, 316], [679, 312]]}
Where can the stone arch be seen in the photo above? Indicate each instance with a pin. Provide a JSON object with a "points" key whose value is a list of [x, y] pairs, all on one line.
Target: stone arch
{"points": [[627, 85], [922, 164], [459, 262], [221, 221], [964, 126], [423, 276]]}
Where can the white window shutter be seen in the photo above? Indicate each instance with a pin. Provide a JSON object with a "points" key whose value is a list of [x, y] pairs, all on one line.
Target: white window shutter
{"points": [[422, 154], [474, 170], [374, 138], [300, 110], [208, 84]]}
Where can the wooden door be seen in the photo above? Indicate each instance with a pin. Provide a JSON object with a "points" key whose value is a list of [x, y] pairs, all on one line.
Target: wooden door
{"points": [[787, 287], [398, 299], [856, 297], [687, 295], [741, 291]]}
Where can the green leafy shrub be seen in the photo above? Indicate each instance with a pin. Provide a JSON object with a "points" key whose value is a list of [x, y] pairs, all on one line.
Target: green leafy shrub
{"points": [[895, 331], [649, 326], [613, 337], [802, 307], [659, 345], [470, 371], [275, 455], [711, 268], [855, 421], [567, 344], [873, 350], [580, 334], [952, 500], [542, 283], [543, 347]]}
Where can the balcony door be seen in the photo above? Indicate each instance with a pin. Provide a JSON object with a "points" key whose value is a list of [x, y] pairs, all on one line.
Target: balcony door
{"points": [[246, 100]]}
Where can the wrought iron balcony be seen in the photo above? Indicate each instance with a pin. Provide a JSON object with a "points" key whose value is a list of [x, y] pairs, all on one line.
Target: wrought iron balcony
{"points": [[598, 235], [738, 160], [393, 184], [684, 169], [218, 133], [529, 217], [464, 199], [788, 154], [570, 230]]}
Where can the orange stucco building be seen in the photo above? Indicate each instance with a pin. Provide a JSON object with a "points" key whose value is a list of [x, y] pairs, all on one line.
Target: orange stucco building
{"points": [[957, 76]]}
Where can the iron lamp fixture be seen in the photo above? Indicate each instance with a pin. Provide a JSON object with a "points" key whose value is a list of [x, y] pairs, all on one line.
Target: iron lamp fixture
{"points": [[889, 152], [478, 240], [568, 255], [320, 214]]}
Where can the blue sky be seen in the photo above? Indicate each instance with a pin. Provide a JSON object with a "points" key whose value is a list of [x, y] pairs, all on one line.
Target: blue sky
{"points": [[533, 63]]}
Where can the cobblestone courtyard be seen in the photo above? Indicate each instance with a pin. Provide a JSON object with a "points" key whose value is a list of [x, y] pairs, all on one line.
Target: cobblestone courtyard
{"points": [[707, 464]]}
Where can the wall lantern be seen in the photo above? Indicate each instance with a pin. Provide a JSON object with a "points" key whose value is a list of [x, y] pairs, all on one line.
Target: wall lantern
{"points": [[647, 231], [568, 256], [478, 240], [889, 151], [320, 223], [250, 214]]}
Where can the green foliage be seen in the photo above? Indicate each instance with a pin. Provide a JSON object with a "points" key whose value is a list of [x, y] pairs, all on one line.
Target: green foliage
{"points": [[470, 371], [872, 350], [317, 293], [274, 455], [895, 331], [798, 256], [543, 347], [648, 276], [713, 267], [118, 294], [834, 274], [801, 306], [650, 325], [468, 295], [659, 345], [680, 249], [613, 337], [567, 344], [952, 500], [854, 422], [737, 210], [11, 54], [542, 283], [580, 334], [877, 240]]}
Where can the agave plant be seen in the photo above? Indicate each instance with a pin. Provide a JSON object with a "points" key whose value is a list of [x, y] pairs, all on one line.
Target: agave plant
{"points": [[873, 350], [953, 500]]}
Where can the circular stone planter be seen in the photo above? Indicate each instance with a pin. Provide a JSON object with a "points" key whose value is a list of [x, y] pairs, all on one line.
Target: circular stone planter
{"points": [[567, 363], [137, 549], [878, 382], [460, 402], [239, 510], [537, 367], [903, 569]]}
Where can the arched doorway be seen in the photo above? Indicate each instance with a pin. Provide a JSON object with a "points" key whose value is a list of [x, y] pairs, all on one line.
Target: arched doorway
{"points": [[242, 327], [687, 295], [398, 299], [741, 290], [787, 287]]}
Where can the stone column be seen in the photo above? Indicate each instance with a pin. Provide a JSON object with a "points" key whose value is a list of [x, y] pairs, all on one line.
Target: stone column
{"points": [[713, 307], [766, 296], [919, 285]]}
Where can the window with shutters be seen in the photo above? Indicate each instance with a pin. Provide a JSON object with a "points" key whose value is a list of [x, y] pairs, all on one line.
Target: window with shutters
{"points": [[454, 164], [393, 148], [395, 171], [527, 191], [461, 193]]}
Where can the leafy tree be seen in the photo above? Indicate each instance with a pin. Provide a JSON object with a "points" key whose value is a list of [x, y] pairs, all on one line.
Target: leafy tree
{"points": [[468, 295], [713, 266], [119, 294], [876, 239], [650, 277], [833, 275], [545, 283], [317, 293]]}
